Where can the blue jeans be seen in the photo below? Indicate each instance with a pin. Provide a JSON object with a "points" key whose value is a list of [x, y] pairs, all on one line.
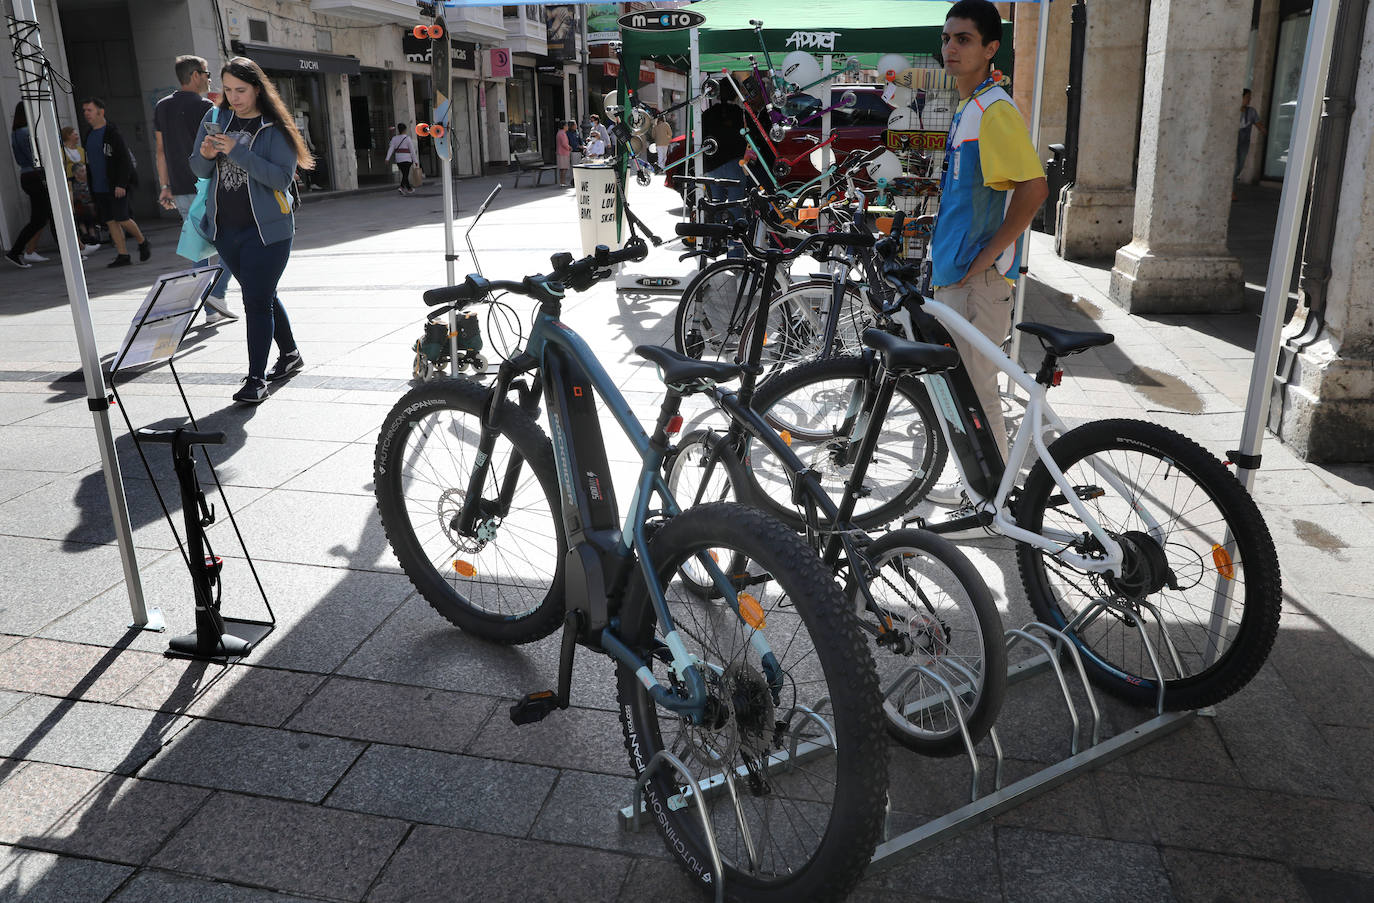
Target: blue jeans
{"points": [[729, 170], [183, 202], [258, 269]]}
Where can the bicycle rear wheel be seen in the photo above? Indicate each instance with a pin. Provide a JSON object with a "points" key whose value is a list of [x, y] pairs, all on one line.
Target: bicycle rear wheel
{"points": [[948, 638], [796, 324], [788, 827], [700, 470], [1191, 534], [818, 404], [504, 579]]}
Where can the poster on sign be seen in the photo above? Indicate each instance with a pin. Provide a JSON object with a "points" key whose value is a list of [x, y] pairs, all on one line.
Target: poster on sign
{"points": [[500, 62]]}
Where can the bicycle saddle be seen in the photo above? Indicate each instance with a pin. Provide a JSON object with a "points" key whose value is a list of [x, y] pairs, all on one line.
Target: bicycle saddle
{"points": [[679, 368], [1065, 341], [905, 355]]}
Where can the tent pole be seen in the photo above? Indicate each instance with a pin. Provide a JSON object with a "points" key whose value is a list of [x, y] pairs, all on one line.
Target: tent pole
{"points": [[36, 90], [694, 49], [1311, 94], [1042, 35]]}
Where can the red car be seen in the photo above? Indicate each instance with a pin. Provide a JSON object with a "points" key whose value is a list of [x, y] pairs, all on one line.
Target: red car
{"points": [[859, 128]]}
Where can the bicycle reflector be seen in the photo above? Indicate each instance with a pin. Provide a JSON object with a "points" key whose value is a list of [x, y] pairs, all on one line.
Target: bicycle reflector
{"points": [[674, 425], [786, 436], [1222, 559], [464, 568], [750, 611]]}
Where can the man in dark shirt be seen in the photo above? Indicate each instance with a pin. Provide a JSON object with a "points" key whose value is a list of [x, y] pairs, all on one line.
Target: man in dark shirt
{"points": [[111, 172], [177, 118], [723, 123]]}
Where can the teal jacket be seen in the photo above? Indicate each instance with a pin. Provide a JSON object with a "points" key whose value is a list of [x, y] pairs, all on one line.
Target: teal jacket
{"points": [[270, 161]]}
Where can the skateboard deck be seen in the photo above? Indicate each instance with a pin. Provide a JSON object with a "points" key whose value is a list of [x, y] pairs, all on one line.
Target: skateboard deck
{"points": [[442, 74]]}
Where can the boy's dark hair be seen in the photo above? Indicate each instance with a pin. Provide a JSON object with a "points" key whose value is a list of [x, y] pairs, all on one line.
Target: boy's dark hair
{"points": [[982, 14], [188, 65], [96, 101], [400, 128]]}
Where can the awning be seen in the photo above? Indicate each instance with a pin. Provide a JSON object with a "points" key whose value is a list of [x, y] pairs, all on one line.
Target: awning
{"points": [[284, 59]]}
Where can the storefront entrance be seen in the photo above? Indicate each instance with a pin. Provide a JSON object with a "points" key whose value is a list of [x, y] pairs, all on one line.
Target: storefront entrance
{"points": [[374, 123]]}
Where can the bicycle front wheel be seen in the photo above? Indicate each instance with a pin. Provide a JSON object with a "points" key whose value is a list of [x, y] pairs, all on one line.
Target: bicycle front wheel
{"points": [[791, 746], [946, 659], [701, 469], [797, 320], [503, 579], [819, 405], [1200, 582]]}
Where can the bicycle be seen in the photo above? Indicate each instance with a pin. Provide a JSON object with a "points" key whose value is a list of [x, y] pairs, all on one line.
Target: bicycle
{"points": [[509, 535], [1130, 537], [935, 632]]}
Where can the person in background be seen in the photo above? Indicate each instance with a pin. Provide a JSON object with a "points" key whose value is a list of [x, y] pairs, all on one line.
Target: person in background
{"points": [[596, 145], [249, 213], [176, 119], [575, 142], [399, 152], [563, 152], [662, 135], [24, 252], [83, 206], [111, 170], [1249, 117]]}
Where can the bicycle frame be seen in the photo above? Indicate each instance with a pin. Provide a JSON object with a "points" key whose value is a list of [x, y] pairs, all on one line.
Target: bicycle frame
{"points": [[602, 555], [1039, 420]]}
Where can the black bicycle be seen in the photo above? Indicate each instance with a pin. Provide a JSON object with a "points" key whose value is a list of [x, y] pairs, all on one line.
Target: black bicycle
{"points": [[747, 696]]}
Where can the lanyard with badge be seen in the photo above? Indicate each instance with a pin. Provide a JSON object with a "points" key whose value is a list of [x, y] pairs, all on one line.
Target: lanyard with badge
{"points": [[984, 85]]}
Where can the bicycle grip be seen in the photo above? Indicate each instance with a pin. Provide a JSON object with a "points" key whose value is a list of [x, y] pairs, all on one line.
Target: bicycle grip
{"points": [[184, 437], [898, 223], [850, 240], [467, 290], [634, 250], [705, 230]]}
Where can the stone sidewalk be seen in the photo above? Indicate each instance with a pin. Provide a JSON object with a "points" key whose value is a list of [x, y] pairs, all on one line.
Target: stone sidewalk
{"points": [[363, 752]]}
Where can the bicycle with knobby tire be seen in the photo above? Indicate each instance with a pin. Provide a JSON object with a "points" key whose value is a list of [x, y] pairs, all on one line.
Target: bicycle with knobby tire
{"points": [[510, 535], [1130, 537], [934, 630]]}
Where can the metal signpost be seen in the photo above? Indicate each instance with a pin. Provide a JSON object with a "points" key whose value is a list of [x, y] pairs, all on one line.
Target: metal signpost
{"points": [[36, 88]]}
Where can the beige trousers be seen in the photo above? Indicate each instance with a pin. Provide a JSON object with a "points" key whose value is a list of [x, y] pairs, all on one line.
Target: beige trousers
{"points": [[986, 302]]}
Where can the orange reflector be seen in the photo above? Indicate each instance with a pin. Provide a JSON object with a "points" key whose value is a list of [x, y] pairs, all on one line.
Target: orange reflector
{"points": [[464, 569], [786, 436], [751, 611], [715, 556], [1222, 559]]}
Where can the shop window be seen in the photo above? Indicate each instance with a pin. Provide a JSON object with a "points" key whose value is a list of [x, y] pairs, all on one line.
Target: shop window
{"points": [[522, 127], [257, 30]]}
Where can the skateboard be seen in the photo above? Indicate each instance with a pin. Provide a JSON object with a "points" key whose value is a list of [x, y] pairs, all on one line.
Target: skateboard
{"points": [[441, 74]]}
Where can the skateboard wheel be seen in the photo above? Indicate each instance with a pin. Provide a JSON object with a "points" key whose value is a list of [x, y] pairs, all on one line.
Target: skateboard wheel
{"points": [[436, 131], [435, 31], [420, 31], [422, 129]]}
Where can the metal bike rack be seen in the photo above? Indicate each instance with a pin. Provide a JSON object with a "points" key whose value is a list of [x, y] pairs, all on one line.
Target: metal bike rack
{"points": [[980, 809], [630, 815]]}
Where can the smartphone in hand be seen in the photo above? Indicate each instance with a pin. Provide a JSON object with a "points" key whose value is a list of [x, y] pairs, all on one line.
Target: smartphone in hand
{"points": [[214, 128]]}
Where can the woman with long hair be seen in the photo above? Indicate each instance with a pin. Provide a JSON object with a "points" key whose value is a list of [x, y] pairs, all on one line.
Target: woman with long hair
{"points": [[24, 250], [249, 147]]}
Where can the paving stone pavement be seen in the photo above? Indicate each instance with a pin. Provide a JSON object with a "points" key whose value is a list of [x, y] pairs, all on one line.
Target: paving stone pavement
{"points": [[364, 753]]}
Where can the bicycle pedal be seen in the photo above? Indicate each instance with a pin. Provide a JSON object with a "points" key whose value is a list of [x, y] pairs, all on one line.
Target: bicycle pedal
{"points": [[534, 707]]}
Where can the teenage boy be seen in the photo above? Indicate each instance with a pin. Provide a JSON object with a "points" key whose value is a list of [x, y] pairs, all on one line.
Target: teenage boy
{"points": [[111, 171], [177, 117], [992, 185]]}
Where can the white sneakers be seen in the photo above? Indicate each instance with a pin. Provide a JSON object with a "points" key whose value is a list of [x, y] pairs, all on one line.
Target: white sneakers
{"points": [[34, 257]]}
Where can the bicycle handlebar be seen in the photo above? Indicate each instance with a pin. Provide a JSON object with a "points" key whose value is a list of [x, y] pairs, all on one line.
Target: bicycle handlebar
{"points": [[579, 275]]}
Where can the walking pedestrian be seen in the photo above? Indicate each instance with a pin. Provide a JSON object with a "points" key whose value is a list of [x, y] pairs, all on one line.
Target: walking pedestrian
{"points": [[83, 205], [662, 135], [399, 152], [722, 123], [992, 185], [1249, 118], [24, 252], [176, 119], [111, 171], [249, 211], [563, 147]]}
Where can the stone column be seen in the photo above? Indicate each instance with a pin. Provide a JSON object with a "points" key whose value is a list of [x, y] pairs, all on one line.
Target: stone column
{"points": [[1098, 210], [1177, 260], [343, 162], [1261, 79], [1026, 31], [1325, 409]]}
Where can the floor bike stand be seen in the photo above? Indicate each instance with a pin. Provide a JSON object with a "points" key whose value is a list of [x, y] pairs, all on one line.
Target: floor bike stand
{"points": [[215, 636], [155, 336]]}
